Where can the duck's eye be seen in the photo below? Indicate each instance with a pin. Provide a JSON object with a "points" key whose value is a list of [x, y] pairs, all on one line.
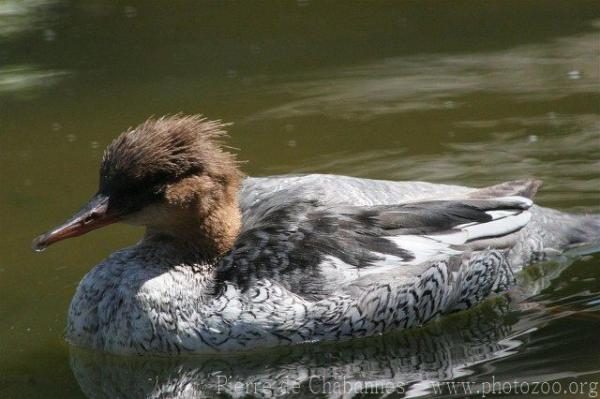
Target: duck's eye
{"points": [[131, 198], [132, 194]]}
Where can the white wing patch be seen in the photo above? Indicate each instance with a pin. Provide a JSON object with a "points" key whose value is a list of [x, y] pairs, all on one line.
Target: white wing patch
{"points": [[427, 247], [423, 248], [504, 222], [521, 202], [498, 227]]}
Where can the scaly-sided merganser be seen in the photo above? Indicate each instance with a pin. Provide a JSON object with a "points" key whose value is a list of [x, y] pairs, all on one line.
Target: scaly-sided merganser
{"points": [[229, 263]]}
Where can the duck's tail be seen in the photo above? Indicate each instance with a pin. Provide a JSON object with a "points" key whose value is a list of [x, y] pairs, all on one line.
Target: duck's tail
{"points": [[552, 234], [583, 235]]}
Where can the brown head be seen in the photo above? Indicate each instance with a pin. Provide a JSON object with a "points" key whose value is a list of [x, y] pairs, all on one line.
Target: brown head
{"points": [[170, 175]]}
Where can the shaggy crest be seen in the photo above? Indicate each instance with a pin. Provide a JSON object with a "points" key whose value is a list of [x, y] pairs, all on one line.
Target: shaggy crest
{"points": [[160, 151]]}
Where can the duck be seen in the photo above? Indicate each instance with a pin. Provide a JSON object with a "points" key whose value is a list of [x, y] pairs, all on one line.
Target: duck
{"points": [[231, 263]]}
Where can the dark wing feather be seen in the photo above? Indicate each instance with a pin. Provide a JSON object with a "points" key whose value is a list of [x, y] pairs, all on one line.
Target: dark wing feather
{"points": [[290, 242]]}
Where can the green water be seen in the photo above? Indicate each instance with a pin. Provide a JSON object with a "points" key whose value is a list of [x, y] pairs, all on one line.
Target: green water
{"points": [[469, 92]]}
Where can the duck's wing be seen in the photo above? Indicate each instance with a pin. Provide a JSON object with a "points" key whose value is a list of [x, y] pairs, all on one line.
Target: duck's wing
{"points": [[260, 194], [311, 249]]}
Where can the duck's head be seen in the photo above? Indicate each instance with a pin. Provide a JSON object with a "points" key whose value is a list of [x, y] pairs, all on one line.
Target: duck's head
{"points": [[171, 175]]}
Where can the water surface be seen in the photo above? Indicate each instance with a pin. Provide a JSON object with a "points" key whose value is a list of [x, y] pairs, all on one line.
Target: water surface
{"points": [[469, 93]]}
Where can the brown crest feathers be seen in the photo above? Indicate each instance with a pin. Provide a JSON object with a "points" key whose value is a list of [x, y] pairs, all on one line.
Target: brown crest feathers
{"points": [[166, 149]]}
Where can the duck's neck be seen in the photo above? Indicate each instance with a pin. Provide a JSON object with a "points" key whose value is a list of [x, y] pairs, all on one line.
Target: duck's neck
{"points": [[199, 232]]}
